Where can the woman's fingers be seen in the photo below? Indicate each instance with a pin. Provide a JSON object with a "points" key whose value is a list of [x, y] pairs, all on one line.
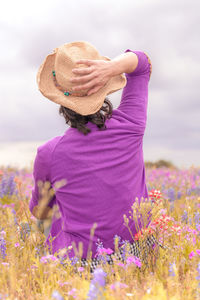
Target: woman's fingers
{"points": [[91, 78], [82, 79], [82, 71], [85, 86], [87, 62], [94, 90]]}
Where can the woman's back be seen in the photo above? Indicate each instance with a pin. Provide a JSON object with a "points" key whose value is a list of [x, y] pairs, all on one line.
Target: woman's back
{"points": [[104, 170]]}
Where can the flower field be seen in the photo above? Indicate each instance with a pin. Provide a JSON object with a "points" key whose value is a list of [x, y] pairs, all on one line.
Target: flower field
{"points": [[29, 271]]}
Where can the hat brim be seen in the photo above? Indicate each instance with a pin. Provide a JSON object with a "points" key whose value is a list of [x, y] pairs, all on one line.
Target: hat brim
{"points": [[83, 105]]}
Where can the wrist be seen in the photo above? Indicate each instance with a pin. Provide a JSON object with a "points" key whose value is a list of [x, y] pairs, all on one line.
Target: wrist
{"points": [[124, 63], [114, 68]]}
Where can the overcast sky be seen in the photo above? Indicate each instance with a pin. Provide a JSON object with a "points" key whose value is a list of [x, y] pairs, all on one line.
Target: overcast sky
{"points": [[168, 31]]}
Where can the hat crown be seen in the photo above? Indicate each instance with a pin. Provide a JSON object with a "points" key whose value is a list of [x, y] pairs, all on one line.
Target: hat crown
{"points": [[53, 78], [65, 61]]}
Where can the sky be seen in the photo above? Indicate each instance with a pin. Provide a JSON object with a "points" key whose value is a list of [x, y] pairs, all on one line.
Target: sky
{"points": [[168, 31]]}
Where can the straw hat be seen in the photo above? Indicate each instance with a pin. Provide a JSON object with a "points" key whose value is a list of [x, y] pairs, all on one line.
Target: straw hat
{"points": [[53, 78]]}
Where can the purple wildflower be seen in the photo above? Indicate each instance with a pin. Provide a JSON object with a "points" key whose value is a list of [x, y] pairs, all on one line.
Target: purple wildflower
{"points": [[124, 249], [25, 230], [99, 243], [171, 194], [2, 247], [56, 295], [37, 251], [7, 185], [198, 277], [14, 214], [197, 220], [198, 228], [172, 266], [179, 195], [99, 251], [185, 217], [74, 260], [97, 284], [117, 237]]}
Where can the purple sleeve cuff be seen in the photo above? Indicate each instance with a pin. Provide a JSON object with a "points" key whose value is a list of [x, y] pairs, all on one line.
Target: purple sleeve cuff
{"points": [[143, 66]]}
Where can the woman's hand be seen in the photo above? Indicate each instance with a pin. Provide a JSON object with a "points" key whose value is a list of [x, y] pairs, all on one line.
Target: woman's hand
{"points": [[42, 213], [93, 77]]}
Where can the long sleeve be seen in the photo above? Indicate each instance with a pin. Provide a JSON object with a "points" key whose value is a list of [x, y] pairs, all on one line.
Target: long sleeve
{"points": [[134, 100], [40, 172]]}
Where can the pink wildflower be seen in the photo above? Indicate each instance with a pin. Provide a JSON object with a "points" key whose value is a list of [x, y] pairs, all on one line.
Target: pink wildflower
{"points": [[198, 251], [72, 292], [3, 233], [163, 211], [193, 231], [155, 194], [45, 259], [100, 251], [187, 237], [118, 284], [17, 245], [33, 267], [80, 269], [135, 260], [112, 270], [5, 264], [191, 255], [121, 264], [109, 251], [63, 283]]}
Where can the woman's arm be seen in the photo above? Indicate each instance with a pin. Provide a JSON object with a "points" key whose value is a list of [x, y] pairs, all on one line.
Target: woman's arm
{"points": [[99, 72], [134, 100], [124, 63]]}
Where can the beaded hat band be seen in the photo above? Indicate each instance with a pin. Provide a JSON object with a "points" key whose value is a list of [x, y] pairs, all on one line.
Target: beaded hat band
{"points": [[66, 92], [55, 72]]}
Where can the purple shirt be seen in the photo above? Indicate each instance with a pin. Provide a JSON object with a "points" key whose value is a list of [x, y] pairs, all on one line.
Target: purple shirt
{"points": [[104, 171]]}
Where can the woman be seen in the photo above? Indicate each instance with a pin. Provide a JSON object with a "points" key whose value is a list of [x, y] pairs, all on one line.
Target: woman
{"points": [[100, 157]]}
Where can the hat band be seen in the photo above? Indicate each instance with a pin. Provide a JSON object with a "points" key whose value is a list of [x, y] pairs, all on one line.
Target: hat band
{"points": [[66, 92]]}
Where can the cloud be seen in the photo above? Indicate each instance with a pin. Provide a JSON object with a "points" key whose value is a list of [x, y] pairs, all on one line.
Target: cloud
{"points": [[168, 31]]}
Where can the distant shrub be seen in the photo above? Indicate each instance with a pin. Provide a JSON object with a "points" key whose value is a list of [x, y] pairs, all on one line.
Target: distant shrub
{"points": [[159, 164]]}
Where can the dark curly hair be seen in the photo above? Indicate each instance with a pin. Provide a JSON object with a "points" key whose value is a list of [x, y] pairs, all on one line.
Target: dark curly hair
{"points": [[78, 121]]}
